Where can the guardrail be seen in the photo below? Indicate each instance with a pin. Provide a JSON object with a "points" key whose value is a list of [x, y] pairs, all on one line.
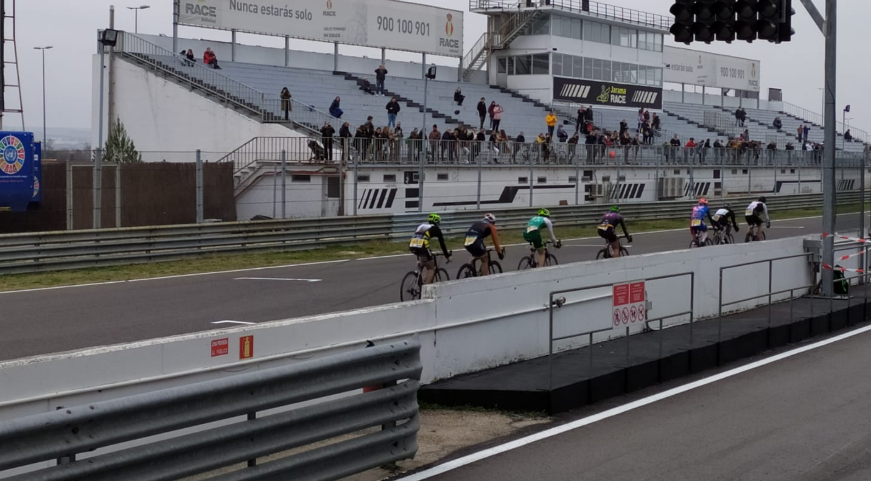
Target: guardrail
{"points": [[55, 251], [68, 432]]}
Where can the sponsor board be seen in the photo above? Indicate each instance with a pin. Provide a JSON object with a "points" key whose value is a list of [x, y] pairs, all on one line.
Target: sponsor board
{"points": [[612, 94], [701, 68], [372, 23]]}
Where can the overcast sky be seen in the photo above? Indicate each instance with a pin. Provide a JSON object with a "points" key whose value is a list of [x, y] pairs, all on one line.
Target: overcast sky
{"points": [[70, 27]]}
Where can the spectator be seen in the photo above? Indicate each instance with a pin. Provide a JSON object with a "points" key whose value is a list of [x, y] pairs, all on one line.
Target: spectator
{"points": [[434, 138], [747, 135], [848, 136], [778, 124], [561, 134], [392, 110], [380, 76], [360, 141], [807, 131], [398, 131], [518, 143], [335, 109], [448, 144], [188, 57], [345, 137], [590, 142], [459, 97], [415, 138], [580, 119], [366, 86], [640, 119], [675, 145], [691, 143], [789, 146], [490, 112], [624, 126], [738, 118], [497, 116], [657, 122], [703, 150], [482, 112], [209, 58], [588, 117], [550, 120], [799, 131], [378, 140], [285, 102], [327, 132], [646, 133]]}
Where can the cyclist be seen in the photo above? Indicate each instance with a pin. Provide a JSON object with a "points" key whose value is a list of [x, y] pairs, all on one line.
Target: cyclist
{"points": [[724, 220], [533, 234], [607, 228], [419, 245], [475, 241], [697, 221], [753, 218]]}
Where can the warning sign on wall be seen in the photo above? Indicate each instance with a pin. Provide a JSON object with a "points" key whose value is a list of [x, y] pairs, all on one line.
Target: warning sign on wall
{"points": [[246, 347], [220, 347], [629, 304]]}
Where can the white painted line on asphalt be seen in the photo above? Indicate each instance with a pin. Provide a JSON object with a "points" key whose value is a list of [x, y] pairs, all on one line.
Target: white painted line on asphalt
{"points": [[472, 458], [787, 227], [251, 269], [383, 257], [235, 322], [274, 279]]}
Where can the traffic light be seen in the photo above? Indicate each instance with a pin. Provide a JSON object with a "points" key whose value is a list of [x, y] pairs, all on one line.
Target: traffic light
{"points": [[703, 27], [785, 32], [724, 27], [770, 16], [682, 29], [745, 25]]}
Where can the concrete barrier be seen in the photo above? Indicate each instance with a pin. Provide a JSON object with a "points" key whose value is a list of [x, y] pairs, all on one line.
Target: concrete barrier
{"points": [[463, 326]]}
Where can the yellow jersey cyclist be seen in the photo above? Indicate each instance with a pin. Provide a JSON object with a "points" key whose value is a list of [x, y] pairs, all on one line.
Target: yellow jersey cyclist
{"points": [[607, 229], [475, 241], [420, 246], [533, 234]]}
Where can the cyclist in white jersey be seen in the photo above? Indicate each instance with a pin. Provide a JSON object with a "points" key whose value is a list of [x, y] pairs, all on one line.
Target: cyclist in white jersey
{"points": [[753, 215]]}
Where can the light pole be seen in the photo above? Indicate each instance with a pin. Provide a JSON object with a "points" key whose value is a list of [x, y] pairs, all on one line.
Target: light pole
{"points": [[44, 131], [137, 9]]}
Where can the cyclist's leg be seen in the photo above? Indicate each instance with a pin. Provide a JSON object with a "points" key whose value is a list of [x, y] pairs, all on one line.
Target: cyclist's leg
{"points": [[429, 264], [615, 248], [703, 230], [485, 265]]}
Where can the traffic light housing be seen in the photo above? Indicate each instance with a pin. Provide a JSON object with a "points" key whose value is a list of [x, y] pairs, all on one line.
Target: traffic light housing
{"points": [[727, 20], [682, 29], [703, 27]]}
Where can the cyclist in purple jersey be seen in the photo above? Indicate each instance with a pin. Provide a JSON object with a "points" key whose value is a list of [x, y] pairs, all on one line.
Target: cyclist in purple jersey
{"points": [[607, 229]]}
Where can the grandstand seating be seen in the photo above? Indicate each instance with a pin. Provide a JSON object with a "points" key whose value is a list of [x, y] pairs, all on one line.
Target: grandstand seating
{"points": [[791, 124]]}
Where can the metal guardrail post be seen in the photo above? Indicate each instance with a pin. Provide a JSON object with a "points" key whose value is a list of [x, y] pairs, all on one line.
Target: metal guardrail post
{"points": [[284, 184], [98, 189], [480, 162], [200, 213], [531, 179]]}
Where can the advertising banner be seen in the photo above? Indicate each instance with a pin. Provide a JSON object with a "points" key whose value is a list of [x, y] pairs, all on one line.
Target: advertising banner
{"points": [[692, 67], [16, 170], [371, 23], [611, 94]]}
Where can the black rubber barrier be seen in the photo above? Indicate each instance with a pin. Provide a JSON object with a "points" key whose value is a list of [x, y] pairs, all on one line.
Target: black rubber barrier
{"points": [[524, 386]]}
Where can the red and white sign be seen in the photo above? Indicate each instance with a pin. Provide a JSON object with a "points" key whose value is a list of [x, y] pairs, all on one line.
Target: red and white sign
{"points": [[629, 304], [246, 347], [220, 347]]}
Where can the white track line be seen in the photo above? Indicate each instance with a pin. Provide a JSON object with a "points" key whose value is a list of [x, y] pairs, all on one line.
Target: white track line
{"points": [[472, 458], [235, 322], [274, 279]]}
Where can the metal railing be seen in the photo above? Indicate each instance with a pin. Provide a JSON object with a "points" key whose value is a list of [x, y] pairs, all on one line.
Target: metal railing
{"points": [[721, 123], [268, 108], [68, 432], [560, 302], [596, 9], [64, 250], [815, 118], [405, 151]]}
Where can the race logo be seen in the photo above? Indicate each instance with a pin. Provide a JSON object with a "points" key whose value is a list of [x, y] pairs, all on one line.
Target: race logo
{"points": [[449, 27], [605, 96], [451, 44], [753, 71], [329, 12], [201, 9], [13, 155], [329, 4], [35, 186]]}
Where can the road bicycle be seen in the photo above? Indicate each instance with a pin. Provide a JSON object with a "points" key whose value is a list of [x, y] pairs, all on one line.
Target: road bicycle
{"points": [[606, 252], [531, 261], [473, 269], [722, 236], [412, 283], [754, 235], [697, 240]]}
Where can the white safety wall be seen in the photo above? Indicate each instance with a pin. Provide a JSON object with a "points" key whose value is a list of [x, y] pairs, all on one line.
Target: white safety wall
{"points": [[463, 326]]}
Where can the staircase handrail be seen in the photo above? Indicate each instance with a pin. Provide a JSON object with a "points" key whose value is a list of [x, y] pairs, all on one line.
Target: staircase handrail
{"points": [[815, 118]]}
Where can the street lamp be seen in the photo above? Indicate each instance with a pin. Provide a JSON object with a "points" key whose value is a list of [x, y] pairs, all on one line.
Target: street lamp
{"points": [[44, 132], [137, 9]]}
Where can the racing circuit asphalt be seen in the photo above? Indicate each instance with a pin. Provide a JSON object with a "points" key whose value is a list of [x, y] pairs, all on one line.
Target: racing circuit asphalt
{"points": [[52, 320]]}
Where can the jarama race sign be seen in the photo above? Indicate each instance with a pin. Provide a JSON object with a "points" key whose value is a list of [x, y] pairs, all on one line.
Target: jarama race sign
{"points": [[606, 93], [371, 23], [629, 305]]}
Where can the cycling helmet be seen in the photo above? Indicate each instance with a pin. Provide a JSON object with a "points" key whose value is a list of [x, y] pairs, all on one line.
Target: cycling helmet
{"points": [[490, 218], [703, 201], [728, 205], [435, 218], [763, 200], [615, 208], [543, 212]]}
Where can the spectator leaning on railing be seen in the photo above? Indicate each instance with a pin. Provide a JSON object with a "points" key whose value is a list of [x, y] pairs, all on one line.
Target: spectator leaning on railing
{"points": [[285, 102], [327, 132]]}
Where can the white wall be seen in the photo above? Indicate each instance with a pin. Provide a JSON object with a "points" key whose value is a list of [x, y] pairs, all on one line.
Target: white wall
{"points": [[463, 326], [160, 115]]}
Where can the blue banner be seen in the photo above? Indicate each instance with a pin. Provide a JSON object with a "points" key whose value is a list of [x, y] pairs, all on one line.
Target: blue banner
{"points": [[16, 170]]}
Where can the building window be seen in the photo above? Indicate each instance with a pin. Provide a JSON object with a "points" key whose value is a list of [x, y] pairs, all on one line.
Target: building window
{"points": [[503, 65], [597, 32], [542, 180], [540, 64], [624, 37], [556, 64], [442, 177], [578, 67], [362, 178], [523, 65], [389, 177], [523, 180], [300, 178], [332, 187], [573, 179], [541, 25]]}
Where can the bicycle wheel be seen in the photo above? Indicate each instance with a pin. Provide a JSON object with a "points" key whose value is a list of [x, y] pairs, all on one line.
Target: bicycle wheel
{"points": [[763, 236], [441, 276], [694, 244], [729, 239], [410, 288], [709, 242], [624, 252], [551, 260], [525, 263], [603, 254], [466, 271], [495, 268]]}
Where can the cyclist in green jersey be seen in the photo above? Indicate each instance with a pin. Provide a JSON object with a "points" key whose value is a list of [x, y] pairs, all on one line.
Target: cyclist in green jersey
{"points": [[533, 234]]}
